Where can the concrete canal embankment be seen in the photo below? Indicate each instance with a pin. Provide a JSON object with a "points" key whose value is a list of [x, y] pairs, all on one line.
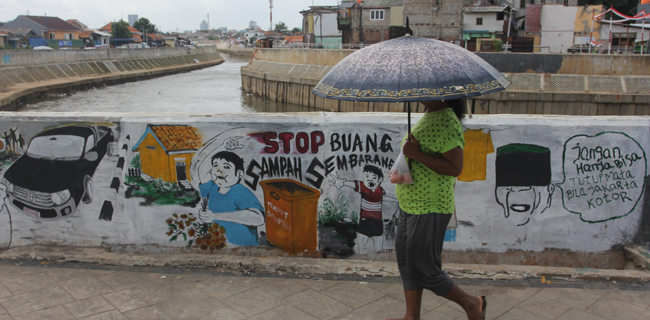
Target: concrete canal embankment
{"points": [[570, 84], [28, 74]]}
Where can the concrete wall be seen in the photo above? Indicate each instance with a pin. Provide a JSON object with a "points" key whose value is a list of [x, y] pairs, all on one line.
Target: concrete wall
{"points": [[435, 19], [530, 93], [22, 82], [326, 23], [15, 58], [597, 64], [558, 24], [574, 197]]}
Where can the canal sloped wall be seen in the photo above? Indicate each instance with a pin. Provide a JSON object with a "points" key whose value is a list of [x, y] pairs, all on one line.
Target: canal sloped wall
{"points": [[27, 74], [569, 84], [535, 190]]}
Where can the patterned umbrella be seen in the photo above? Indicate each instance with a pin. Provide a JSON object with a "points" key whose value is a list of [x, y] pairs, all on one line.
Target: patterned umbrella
{"points": [[410, 69]]}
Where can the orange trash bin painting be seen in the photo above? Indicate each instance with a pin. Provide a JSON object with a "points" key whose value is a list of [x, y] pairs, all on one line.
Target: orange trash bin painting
{"points": [[291, 215]]}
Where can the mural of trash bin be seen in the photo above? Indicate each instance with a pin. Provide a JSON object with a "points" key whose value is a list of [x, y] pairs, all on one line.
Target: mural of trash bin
{"points": [[291, 215]]}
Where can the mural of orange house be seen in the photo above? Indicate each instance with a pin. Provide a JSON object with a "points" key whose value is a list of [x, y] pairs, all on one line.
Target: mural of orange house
{"points": [[166, 152]]}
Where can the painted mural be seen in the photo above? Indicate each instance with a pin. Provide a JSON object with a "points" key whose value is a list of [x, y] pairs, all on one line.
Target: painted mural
{"points": [[310, 187]]}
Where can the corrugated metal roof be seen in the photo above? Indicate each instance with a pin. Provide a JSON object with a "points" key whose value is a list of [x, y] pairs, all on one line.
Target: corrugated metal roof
{"points": [[383, 3], [485, 9]]}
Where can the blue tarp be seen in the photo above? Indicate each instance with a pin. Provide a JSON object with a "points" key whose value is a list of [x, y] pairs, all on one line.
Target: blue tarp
{"points": [[35, 42]]}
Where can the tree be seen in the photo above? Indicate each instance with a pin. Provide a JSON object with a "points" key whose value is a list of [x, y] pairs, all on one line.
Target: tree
{"points": [[120, 30], [296, 30], [143, 24], [280, 27]]}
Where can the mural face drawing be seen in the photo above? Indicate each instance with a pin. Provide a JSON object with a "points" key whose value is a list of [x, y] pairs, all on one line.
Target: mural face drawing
{"points": [[372, 178], [55, 174], [523, 181], [225, 173], [233, 206]]}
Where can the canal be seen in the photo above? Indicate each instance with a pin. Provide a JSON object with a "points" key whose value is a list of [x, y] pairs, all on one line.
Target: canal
{"points": [[211, 90]]}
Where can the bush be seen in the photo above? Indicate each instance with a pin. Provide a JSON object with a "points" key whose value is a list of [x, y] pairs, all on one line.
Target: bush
{"points": [[498, 45]]}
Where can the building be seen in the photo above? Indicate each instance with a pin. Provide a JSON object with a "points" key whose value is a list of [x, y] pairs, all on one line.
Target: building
{"points": [[95, 38], [52, 28], [132, 19], [371, 22], [486, 22], [77, 23], [321, 26], [256, 33], [136, 36], [20, 37], [166, 152], [4, 39], [436, 19]]}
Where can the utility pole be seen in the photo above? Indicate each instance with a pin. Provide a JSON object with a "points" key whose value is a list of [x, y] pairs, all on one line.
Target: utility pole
{"points": [[271, 14]]}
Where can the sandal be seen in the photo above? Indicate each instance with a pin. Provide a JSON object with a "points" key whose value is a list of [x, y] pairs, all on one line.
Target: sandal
{"points": [[483, 313]]}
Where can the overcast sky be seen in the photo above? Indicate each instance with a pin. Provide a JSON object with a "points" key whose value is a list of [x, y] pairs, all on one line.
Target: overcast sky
{"points": [[167, 15]]}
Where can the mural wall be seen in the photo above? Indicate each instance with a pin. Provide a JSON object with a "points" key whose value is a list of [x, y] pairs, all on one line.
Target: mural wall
{"points": [[313, 185]]}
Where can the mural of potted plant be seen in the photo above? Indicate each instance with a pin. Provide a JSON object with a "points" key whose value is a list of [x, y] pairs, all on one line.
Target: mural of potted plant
{"points": [[207, 236], [337, 227]]}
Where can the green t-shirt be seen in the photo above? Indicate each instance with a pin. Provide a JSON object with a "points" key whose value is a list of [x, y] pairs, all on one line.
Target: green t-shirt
{"points": [[437, 132]]}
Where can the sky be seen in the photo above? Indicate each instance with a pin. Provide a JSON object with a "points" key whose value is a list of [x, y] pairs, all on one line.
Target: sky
{"points": [[167, 15]]}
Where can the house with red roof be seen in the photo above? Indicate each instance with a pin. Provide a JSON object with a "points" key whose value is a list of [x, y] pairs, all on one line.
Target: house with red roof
{"points": [[166, 152], [135, 34]]}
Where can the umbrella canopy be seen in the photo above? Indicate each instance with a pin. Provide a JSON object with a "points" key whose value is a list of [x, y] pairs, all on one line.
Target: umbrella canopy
{"points": [[410, 69]]}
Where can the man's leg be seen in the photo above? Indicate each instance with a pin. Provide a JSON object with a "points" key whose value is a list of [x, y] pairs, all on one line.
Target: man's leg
{"points": [[473, 305], [413, 305]]}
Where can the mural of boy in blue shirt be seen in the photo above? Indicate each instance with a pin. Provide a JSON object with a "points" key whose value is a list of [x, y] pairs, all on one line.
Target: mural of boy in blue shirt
{"points": [[233, 206]]}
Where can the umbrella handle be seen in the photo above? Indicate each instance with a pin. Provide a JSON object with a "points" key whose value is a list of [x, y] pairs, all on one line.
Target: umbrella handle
{"points": [[408, 138], [408, 110]]}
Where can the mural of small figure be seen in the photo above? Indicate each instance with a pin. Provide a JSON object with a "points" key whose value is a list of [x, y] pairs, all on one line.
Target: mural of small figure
{"points": [[229, 203], [370, 230], [7, 139], [12, 140], [523, 181], [5, 220]]}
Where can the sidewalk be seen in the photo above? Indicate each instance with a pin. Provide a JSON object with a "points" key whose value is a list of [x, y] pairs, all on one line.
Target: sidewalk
{"points": [[47, 283]]}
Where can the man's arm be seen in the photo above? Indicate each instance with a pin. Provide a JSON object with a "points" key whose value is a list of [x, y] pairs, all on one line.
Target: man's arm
{"points": [[248, 217], [450, 164]]}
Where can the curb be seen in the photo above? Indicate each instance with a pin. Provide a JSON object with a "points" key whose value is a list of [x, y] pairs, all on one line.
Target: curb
{"points": [[308, 266]]}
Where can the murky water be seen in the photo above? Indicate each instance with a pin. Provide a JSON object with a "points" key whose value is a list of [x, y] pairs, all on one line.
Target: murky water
{"points": [[211, 90]]}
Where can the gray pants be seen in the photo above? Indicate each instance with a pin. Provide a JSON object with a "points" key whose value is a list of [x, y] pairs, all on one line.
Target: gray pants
{"points": [[418, 245]]}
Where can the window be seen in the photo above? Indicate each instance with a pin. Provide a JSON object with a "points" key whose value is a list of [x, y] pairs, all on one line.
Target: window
{"points": [[68, 36], [479, 21], [500, 16], [522, 4], [151, 147], [623, 39], [52, 36], [90, 143], [376, 14]]}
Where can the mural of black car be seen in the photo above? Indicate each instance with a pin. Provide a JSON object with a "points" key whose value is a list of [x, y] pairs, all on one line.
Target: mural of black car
{"points": [[55, 173]]}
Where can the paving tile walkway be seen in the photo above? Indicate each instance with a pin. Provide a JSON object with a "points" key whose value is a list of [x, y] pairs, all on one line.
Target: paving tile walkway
{"points": [[51, 290]]}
